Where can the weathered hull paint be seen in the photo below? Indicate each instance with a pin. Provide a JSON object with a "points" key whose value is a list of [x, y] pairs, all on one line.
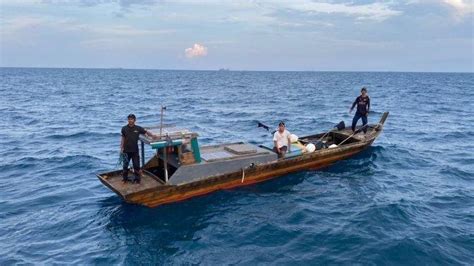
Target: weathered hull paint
{"points": [[179, 193]]}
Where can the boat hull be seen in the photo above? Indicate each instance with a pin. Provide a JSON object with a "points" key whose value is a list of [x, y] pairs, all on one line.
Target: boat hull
{"points": [[249, 176]]}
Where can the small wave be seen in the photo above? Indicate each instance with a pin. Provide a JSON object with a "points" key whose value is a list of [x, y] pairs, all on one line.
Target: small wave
{"points": [[81, 135], [452, 171], [67, 162], [459, 135]]}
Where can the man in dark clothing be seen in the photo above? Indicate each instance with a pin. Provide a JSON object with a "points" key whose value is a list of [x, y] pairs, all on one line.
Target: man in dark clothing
{"points": [[363, 107], [129, 147]]}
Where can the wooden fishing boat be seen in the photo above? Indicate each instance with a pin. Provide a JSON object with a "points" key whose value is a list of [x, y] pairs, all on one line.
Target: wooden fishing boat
{"points": [[181, 169]]}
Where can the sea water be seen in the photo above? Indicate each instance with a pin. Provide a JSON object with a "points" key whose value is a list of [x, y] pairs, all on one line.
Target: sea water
{"points": [[409, 199]]}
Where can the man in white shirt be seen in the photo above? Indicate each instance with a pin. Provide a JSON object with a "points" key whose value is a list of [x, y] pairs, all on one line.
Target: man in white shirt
{"points": [[281, 140]]}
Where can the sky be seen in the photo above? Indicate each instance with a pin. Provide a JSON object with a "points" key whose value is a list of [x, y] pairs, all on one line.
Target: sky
{"points": [[295, 35]]}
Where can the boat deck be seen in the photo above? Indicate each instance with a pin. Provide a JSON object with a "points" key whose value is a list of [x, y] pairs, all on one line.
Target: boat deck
{"points": [[344, 133], [230, 151], [114, 181], [359, 136]]}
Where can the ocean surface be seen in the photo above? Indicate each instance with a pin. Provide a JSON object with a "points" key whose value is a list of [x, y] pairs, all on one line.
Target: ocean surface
{"points": [[407, 200]]}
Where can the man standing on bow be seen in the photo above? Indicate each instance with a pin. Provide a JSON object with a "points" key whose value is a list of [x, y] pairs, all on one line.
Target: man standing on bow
{"points": [[129, 147], [363, 107]]}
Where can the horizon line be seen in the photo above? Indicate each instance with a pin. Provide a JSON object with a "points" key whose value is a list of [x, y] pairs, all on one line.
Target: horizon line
{"points": [[239, 70]]}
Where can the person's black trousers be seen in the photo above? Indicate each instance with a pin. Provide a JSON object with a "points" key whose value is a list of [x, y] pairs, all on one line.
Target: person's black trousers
{"points": [[136, 164], [356, 118]]}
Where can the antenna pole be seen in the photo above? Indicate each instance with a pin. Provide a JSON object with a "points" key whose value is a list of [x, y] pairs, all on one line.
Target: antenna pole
{"points": [[161, 121]]}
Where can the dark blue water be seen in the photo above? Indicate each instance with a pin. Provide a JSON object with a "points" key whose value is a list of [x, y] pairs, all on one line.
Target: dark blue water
{"points": [[409, 199]]}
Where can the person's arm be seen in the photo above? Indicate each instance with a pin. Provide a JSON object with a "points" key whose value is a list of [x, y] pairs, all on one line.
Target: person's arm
{"points": [[147, 133], [289, 144], [353, 105], [275, 142], [122, 141], [368, 106]]}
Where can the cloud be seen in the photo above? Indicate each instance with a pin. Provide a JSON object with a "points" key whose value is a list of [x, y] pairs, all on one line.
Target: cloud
{"points": [[19, 23], [123, 3], [374, 11], [27, 23], [197, 50], [29, 32], [458, 4], [126, 6], [377, 10], [125, 30], [462, 7]]}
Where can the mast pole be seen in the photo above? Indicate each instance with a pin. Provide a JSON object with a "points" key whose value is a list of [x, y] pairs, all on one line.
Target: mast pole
{"points": [[161, 121], [165, 160]]}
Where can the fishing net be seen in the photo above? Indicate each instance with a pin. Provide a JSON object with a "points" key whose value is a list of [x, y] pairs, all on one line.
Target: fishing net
{"points": [[123, 159]]}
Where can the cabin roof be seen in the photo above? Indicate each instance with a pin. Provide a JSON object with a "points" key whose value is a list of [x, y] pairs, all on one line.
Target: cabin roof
{"points": [[222, 159], [170, 131], [228, 151]]}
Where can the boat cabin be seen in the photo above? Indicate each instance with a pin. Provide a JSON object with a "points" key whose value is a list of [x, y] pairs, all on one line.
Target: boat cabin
{"points": [[179, 159]]}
